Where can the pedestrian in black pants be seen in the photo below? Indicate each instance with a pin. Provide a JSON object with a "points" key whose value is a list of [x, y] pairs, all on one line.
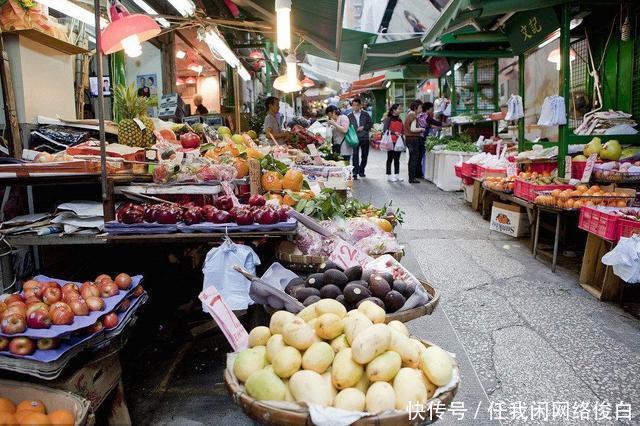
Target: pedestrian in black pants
{"points": [[393, 124], [361, 121], [413, 134], [425, 121]]}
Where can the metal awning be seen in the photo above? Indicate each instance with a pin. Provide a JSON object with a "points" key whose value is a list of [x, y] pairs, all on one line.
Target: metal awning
{"points": [[351, 50], [383, 56]]}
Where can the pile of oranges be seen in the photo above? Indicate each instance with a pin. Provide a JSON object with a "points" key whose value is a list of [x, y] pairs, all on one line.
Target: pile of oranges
{"points": [[503, 184], [582, 196], [32, 412]]}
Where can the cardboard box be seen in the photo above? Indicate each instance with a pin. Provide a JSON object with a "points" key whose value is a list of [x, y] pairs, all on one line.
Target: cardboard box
{"points": [[509, 219]]}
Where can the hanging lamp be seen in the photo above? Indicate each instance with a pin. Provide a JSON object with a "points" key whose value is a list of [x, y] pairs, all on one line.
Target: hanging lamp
{"points": [[555, 57], [126, 31], [307, 82]]}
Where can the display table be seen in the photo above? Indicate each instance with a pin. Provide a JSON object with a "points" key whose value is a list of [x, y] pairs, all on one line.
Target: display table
{"points": [[560, 219]]}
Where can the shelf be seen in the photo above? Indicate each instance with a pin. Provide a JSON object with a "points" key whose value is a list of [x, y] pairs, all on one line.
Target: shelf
{"points": [[50, 41]]}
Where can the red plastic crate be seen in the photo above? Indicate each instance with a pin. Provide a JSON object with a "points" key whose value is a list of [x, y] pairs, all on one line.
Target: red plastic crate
{"points": [[626, 228], [483, 171], [541, 166], [600, 222], [458, 170], [467, 180], [528, 191], [577, 168], [469, 170]]}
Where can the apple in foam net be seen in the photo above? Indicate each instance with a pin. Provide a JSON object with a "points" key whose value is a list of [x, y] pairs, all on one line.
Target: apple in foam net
{"points": [[51, 295], [95, 303], [110, 320], [13, 324], [46, 344], [22, 346]]}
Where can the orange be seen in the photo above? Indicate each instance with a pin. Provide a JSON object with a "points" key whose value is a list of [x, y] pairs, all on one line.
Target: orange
{"points": [[62, 417], [31, 405], [271, 181], [7, 419], [6, 406], [242, 168], [254, 153], [293, 180], [33, 418], [287, 200]]}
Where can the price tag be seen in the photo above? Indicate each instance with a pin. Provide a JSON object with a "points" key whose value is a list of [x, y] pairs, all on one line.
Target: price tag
{"points": [[225, 318], [512, 168], [345, 255], [591, 161], [228, 190], [317, 160], [567, 167], [139, 123]]}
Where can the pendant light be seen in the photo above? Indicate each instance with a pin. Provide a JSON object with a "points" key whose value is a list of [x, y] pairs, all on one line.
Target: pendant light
{"points": [[126, 31], [554, 56], [283, 24], [191, 80], [307, 82], [179, 82]]}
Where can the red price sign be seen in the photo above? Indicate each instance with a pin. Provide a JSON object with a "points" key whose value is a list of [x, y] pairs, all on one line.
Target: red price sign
{"points": [[345, 255], [225, 318]]}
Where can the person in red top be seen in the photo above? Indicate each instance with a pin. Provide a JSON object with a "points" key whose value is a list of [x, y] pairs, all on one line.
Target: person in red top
{"points": [[393, 123]]}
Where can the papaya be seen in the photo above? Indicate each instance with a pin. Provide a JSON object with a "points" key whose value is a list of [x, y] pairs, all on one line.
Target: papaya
{"points": [[271, 181], [242, 167], [293, 180]]}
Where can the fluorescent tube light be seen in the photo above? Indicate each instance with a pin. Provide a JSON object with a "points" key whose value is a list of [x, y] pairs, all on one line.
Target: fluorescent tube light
{"points": [[74, 11], [151, 11]]}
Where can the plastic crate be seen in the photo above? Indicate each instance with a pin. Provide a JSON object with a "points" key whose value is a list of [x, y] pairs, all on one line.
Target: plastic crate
{"points": [[483, 171], [458, 170], [627, 227], [600, 222], [528, 191], [469, 170], [467, 180], [541, 166]]}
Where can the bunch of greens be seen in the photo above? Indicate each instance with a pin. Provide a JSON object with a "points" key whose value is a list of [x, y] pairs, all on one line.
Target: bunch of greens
{"points": [[462, 143], [270, 163]]}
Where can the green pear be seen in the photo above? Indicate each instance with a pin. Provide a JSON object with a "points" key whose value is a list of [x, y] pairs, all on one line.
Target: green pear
{"points": [[611, 150], [592, 147], [579, 158]]}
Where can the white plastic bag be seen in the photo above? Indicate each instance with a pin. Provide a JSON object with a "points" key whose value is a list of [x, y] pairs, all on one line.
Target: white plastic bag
{"points": [[400, 145], [218, 271], [625, 259]]}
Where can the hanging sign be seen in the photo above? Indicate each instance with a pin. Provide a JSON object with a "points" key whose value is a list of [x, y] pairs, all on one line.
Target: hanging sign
{"points": [[526, 30], [345, 255], [225, 318], [567, 167]]}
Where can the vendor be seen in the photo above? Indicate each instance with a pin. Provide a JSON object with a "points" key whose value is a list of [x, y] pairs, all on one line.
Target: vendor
{"points": [[200, 109], [271, 126]]}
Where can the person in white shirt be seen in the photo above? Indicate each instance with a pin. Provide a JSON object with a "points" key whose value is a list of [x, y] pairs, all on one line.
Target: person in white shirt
{"points": [[361, 121]]}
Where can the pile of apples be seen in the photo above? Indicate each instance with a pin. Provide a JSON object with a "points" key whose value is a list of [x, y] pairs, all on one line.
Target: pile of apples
{"points": [[582, 196], [222, 211], [503, 184], [43, 304]]}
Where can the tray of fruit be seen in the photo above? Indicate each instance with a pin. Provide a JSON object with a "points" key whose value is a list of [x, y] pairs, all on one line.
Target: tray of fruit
{"points": [[51, 308], [328, 361], [584, 196], [617, 172], [500, 184]]}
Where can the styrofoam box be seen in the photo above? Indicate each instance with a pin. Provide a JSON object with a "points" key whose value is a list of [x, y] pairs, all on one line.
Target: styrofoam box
{"points": [[468, 193], [509, 219], [429, 165], [446, 178]]}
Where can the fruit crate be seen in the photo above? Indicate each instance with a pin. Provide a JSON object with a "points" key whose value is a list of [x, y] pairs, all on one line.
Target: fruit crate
{"points": [[627, 228], [577, 169], [528, 191], [458, 170], [615, 176], [469, 170], [540, 166], [600, 221], [483, 171]]}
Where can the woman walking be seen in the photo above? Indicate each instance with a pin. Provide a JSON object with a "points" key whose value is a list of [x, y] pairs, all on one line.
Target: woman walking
{"points": [[340, 126], [394, 125], [414, 138]]}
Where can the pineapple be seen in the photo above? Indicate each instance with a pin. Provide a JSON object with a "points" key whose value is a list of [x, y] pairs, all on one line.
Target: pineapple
{"points": [[129, 106]]}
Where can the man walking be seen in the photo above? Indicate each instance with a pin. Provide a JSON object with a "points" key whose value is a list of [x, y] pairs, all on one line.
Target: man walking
{"points": [[361, 121]]}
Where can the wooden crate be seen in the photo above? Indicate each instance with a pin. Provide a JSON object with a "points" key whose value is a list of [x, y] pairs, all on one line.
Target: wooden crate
{"points": [[596, 277]]}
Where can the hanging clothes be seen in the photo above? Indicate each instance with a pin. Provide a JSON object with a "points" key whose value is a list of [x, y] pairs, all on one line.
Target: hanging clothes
{"points": [[515, 110], [553, 112]]}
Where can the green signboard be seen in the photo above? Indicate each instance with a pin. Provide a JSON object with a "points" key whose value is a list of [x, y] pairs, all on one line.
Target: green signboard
{"points": [[526, 30]]}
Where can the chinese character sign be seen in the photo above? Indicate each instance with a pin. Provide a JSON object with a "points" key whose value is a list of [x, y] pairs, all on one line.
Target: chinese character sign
{"points": [[528, 29]]}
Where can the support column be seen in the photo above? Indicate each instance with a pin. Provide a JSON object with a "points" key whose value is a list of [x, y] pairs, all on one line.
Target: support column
{"points": [[168, 46], [236, 101], [521, 60], [230, 89], [565, 80]]}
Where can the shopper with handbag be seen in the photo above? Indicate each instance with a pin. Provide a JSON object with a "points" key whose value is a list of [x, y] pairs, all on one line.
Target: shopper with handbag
{"points": [[361, 121], [392, 141], [339, 123], [414, 138]]}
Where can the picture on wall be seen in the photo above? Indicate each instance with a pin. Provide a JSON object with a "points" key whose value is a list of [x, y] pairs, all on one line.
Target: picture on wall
{"points": [[147, 85]]}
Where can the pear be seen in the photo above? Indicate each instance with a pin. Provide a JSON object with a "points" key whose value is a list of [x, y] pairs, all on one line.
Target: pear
{"points": [[592, 147], [611, 150], [579, 158]]}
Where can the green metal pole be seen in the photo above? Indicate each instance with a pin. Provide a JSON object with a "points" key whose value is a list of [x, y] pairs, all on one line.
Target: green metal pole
{"points": [[453, 95], [521, 59], [267, 72], [230, 97], [475, 86], [496, 98], [565, 81]]}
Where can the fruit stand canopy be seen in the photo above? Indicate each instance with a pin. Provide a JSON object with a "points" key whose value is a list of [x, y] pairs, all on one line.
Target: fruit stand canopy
{"points": [[389, 55], [351, 49]]}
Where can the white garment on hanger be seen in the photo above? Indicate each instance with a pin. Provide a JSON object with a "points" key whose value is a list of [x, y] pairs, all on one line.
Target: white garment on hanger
{"points": [[515, 109], [553, 112]]}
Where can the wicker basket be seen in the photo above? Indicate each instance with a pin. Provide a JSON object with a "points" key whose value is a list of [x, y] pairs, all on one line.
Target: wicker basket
{"points": [[267, 414], [403, 316]]}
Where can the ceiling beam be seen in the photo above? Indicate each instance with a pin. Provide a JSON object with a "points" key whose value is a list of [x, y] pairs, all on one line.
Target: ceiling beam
{"points": [[195, 49], [464, 54]]}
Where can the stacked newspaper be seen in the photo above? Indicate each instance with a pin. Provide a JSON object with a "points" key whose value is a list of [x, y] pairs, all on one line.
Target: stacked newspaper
{"points": [[607, 123]]}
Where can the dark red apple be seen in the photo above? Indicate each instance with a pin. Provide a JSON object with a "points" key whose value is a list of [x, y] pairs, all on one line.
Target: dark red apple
{"points": [[257, 215], [167, 217], [39, 319], [51, 295], [224, 202], [95, 328], [62, 316], [101, 278], [221, 216], [207, 212], [190, 140], [137, 292], [13, 324], [95, 303], [110, 320], [124, 305], [21, 346], [257, 200], [69, 296], [269, 217], [132, 216], [244, 217], [4, 343], [48, 344], [150, 212], [79, 307], [192, 217], [123, 281], [108, 289], [283, 213]]}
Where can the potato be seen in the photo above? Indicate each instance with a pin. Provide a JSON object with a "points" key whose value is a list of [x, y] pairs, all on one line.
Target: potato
{"points": [[308, 313], [384, 367], [328, 326], [309, 386], [330, 306], [372, 311], [328, 382], [380, 397], [287, 362], [339, 343], [370, 343], [278, 320], [350, 399], [407, 350], [363, 384], [318, 357], [247, 362], [298, 334], [355, 324], [259, 336], [421, 347], [410, 388], [345, 371], [437, 365], [399, 327], [274, 345], [264, 385]]}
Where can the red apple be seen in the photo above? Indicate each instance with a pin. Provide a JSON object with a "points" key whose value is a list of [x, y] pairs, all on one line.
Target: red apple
{"points": [[16, 309], [21, 346], [4, 343], [110, 320], [137, 292], [95, 328], [15, 297], [95, 303], [13, 324], [30, 284], [53, 284], [257, 200], [60, 305], [108, 289], [37, 306], [123, 281], [62, 316], [243, 217], [35, 290], [124, 305], [68, 296], [39, 318], [190, 140], [31, 300], [48, 343], [79, 307], [51, 295], [70, 287], [101, 277], [89, 290]]}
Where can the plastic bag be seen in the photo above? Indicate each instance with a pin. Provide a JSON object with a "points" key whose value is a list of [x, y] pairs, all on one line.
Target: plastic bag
{"points": [[625, 259], [400, 145], [386, 143], [218, 271]]}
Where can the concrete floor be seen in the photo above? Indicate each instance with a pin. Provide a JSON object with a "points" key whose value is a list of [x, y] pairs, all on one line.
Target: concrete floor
{"points": [[523, 336]]}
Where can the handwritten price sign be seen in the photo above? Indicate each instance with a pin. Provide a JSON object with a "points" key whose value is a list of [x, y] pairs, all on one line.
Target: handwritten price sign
{"points": [[345, 255], [591, 161], [225, 318]]}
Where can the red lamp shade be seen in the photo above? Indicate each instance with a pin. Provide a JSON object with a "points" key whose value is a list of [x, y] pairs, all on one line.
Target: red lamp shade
{"points": [[256, 54], [127, 32], [179, 81], [307, 82]]}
